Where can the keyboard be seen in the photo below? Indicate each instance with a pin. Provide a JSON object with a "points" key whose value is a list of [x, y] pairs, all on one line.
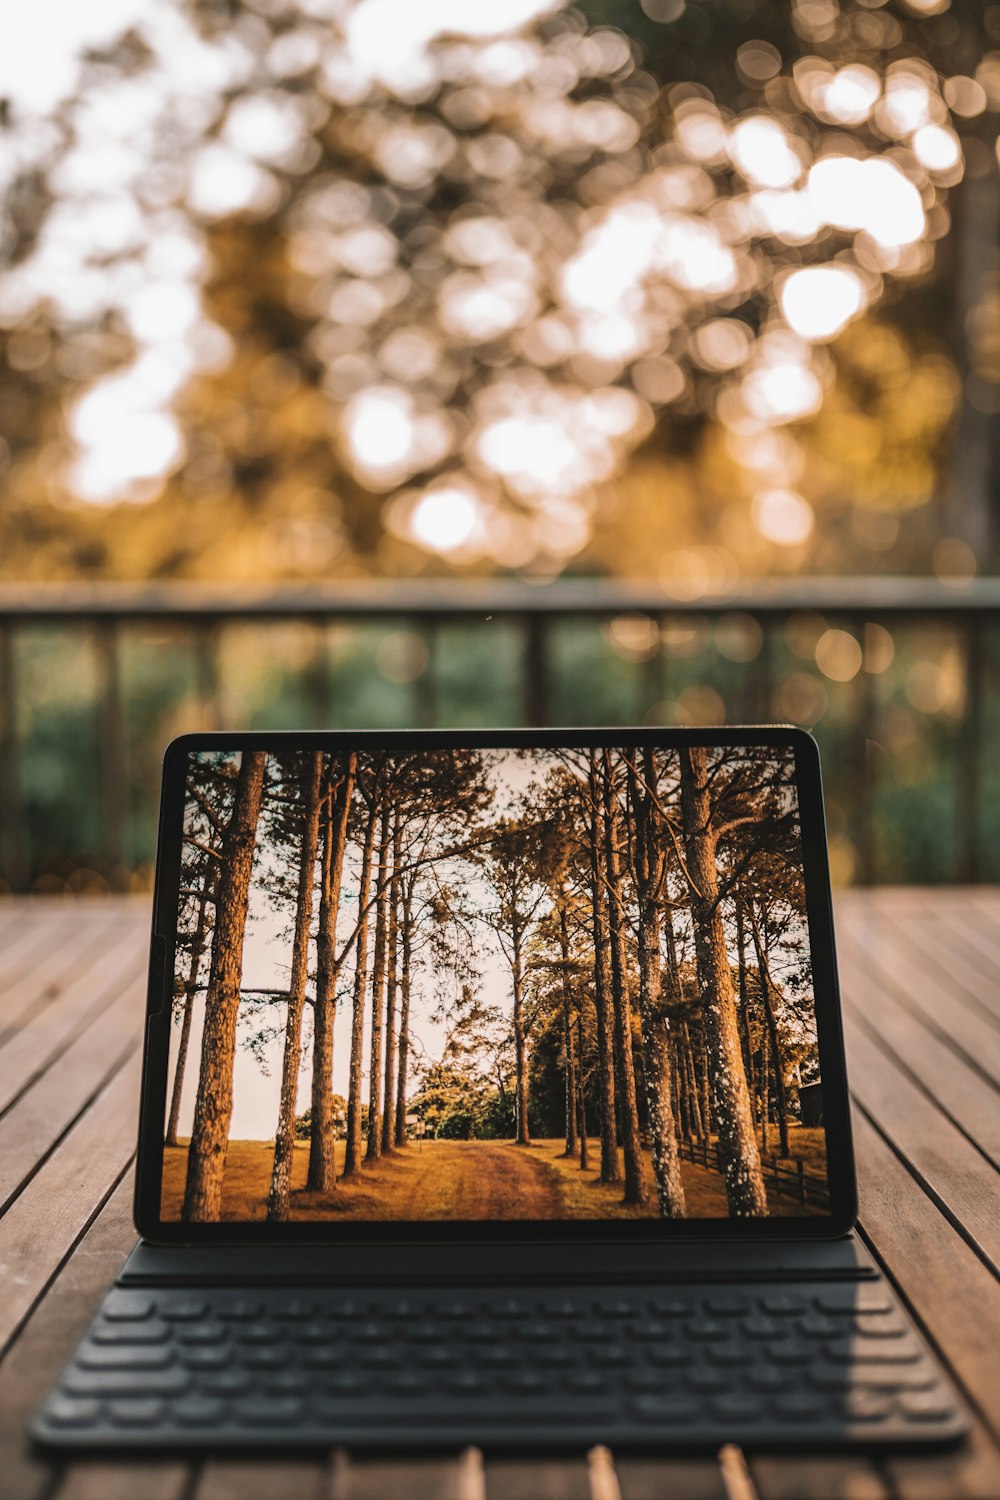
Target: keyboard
{"points": [[633, 1367]]}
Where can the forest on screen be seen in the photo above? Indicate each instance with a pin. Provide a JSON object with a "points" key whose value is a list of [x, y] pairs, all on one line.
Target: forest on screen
{"points": [[486, 984]]}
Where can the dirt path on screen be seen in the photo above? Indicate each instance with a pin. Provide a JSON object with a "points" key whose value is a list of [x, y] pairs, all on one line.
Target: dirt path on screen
{"points": [[479, 1180]]}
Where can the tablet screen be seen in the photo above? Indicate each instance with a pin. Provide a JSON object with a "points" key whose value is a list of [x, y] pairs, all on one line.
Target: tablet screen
{"points": [[419, 980]]}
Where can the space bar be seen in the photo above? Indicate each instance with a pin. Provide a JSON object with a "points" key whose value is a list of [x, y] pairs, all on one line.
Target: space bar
{"points": [[571, 1412]]}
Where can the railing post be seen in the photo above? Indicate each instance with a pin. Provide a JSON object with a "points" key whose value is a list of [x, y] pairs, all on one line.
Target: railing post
{"points": [[111, 750], [425, 698], [967, 761], [206, 653], [13, 864], [317, 678], [536, 704]]}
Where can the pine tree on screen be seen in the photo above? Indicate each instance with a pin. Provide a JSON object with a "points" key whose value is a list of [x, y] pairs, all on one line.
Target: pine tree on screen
{"points": [[214, 1104]]}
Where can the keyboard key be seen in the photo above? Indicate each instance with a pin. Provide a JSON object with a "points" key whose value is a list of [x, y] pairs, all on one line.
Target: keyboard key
{"points": [[561, 1307], [240, 1310], [150, 1331], [666, 1410], [585, 1382], [846, 1301], [226, 1382], [509, 1307], [792, 1352], [526, 1383], [556, 1357], [707, 1382], [252, 1333], [97, 1383], [127, 1306], [72, 1411], [298, 1310], [205, 1333], [136, 1413], [668, 1306], [198, 1411], [289, 1382], [731, 1354], [467, 1383], [263, 1357], [537, 1333], [610, 1356], [851, 1351], [408, 1383], [800, 1406], [613, 1307], [126, 1357], [645, 1380], [652, 1331], [205, 1359], [818, 1326], [782, 1304], [455, 1308], [726, 1306], [670, 1356], [348, 1383], [183, 1309], [269, 1411], [762, 1326], [703, 1330], [865, 1406], [927, 1406], [737, 1406], [324, 1358]]}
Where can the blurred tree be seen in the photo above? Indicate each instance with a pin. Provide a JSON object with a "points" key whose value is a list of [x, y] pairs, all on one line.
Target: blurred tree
{"points": [[319, 287]]}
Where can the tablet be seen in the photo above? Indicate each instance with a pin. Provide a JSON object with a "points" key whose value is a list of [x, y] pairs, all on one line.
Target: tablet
{"points": [[534, 984]]}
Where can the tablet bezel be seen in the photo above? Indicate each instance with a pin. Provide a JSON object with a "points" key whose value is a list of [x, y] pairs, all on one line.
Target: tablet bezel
{"points": [[840, 1155]]}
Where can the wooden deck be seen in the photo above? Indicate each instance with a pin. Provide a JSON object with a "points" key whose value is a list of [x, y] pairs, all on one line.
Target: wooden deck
{"points": [[921, 981]]}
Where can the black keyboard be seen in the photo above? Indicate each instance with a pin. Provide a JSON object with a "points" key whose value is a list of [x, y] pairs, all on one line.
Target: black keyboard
{"points": [[635, 1367]]}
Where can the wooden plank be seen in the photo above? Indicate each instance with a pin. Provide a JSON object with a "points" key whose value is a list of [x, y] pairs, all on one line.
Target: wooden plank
{"points": [[662, 1479], [810, 1476], [46, 972], [41, 1226], [948, 962], [981, 947], [52, 1032], [963, 1093], [957, 1300], [412, 1478], [33, 1125], [289, 1478], [541, 1478], [947, 1164], [926, 995], [125, 1479], [48, 1339]]}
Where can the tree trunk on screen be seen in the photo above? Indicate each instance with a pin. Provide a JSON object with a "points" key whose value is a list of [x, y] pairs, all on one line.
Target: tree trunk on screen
{"points": [[402, 1084], [767, 995], [733, 1111], [741, 959], [352, 1150], [214, 1105], [581, 1093], [374, 1150], [523, 1136], [657, 1044], [570, 1071], [610, 1163], [391, 1038], [284, 1135], [635, 1177], [322, 1173], [190, 990]]}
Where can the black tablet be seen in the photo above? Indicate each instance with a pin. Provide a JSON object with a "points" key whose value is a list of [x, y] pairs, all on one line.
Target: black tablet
{"points": [[449, 986]]}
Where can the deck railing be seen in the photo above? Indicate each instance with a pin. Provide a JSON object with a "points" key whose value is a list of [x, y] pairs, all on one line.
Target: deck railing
{"points": [[894, 675]]}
